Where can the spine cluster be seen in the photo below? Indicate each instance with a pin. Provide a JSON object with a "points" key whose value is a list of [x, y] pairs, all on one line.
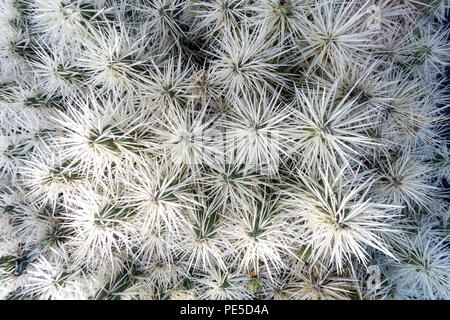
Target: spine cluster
{"points": [[224, 149]]}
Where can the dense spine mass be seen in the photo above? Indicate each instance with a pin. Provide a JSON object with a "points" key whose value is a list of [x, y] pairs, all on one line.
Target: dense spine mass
{"points": [[224, 149]]}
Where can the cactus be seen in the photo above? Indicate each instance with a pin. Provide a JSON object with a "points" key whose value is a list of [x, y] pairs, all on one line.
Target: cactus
{"points": [[224, 149]]}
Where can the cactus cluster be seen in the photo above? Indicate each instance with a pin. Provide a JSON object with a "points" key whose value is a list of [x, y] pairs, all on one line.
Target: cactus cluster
{"points": [[224, 149]]}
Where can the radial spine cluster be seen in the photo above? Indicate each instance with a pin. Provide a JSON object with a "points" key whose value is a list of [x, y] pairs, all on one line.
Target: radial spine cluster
{"points": [[224, 149]]}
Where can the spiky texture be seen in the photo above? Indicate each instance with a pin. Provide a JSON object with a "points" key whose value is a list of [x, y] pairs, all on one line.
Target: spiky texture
{"points": [[224, 149]]}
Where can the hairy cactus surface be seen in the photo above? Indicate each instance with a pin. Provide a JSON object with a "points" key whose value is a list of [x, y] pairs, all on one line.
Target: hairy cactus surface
{"points": [[224, 149]]}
